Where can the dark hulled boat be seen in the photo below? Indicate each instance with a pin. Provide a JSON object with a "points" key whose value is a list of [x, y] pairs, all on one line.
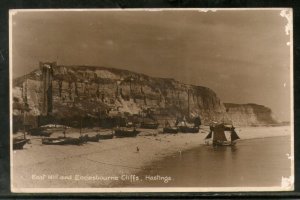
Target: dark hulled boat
{"points": [[40, 131], [149, 123], [170, 130], [126, 132], [64, 141], [19, 143], [54, 141], [106, 136], [94, 138], [217, 134], [187, 129]]}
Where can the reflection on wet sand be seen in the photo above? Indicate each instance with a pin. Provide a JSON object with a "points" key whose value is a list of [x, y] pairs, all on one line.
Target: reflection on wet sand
{"points": [[251, 163]]}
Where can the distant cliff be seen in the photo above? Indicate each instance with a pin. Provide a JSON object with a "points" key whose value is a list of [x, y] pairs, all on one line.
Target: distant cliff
{"points": [[90, 90], [249, 114]]}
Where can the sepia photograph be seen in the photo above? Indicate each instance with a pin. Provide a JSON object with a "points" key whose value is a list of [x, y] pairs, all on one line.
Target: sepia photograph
{"points": [[151, 100]]}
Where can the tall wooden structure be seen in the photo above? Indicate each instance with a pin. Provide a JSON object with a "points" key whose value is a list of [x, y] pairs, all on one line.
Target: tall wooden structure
{"points": [[47, 76]]}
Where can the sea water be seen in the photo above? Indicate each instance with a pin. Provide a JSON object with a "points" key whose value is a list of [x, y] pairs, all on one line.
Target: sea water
{"points": [[251, 163]]}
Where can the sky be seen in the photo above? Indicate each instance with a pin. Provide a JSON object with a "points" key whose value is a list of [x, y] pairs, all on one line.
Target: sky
{"points": [[243, 55]]}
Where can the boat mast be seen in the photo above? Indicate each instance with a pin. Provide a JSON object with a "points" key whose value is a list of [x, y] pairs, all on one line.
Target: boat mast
{"points": [[25, 105], [188, 103], [80, 125]]}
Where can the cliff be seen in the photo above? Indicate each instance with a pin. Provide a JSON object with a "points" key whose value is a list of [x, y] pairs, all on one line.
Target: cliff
{"points": [[93, 91], [249, 114], [88, 90]]}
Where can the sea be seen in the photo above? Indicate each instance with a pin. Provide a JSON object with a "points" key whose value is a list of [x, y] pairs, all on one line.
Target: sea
{"points": [[251, 163]]}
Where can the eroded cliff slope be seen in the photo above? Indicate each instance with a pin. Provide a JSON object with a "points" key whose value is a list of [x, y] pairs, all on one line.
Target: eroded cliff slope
{"points": [[91, 91]]}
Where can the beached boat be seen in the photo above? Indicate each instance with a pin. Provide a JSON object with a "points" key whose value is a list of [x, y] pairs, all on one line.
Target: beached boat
{"points": [[106, 136], [126, 132], [40, 131], [64, 141], [170, 130], [47, 130], [94, 138], [218, 137], [19, 143], [187, 129], [54, 141], [148, 123]]}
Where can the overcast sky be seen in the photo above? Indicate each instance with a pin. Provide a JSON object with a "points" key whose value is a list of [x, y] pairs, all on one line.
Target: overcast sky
{"points": [[242, 55]]}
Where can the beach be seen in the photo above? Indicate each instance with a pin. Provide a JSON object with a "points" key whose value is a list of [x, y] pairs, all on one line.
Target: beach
{"points": [[106, 163]]}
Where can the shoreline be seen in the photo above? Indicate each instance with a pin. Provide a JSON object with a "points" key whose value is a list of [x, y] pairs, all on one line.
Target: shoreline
{"points": [[187, 170], [109, 158]]}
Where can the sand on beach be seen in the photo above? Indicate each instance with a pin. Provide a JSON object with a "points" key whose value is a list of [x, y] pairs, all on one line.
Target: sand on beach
{"points": [[95, 165]]}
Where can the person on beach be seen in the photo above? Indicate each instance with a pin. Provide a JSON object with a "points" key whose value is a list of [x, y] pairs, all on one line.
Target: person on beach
{"points": [[177, 122], [197, 122], [64, 132], [167, 124], [183, 122]]}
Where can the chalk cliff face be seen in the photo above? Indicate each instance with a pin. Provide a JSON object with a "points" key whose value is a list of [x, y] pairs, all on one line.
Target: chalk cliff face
{"points": [[88, 90], [249, 114]]}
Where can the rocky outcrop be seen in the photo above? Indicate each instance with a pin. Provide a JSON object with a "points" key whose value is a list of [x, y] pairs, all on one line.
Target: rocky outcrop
{"points": [[249, 114]]}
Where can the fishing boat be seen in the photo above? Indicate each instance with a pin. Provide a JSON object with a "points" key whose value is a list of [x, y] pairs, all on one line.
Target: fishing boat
{"points": [[84, 138], [125, 132], [171, 130], [188, 129], [19, 143], [185, 127], [64, 141], [40, 131], [152, 125], [149, 124], [54, 141], [94, 138], [218, 137], [106, 136]]}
